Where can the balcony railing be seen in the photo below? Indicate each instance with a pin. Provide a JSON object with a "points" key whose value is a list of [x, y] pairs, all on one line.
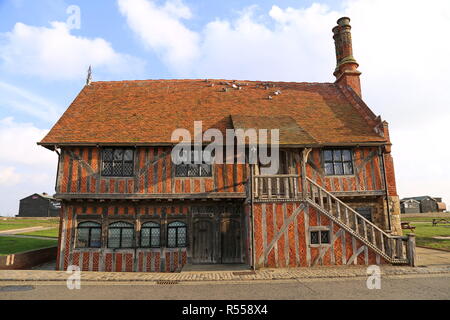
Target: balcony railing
{"points": [[283, 186]]}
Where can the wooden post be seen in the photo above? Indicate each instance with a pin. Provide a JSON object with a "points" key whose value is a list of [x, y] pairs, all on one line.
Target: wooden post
{"points": [[286, 188], [411, 249], [399, 247], [305, 154]]}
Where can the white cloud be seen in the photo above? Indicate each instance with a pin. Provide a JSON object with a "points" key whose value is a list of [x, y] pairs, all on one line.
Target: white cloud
{"points": [[25, 167], [161, 30], [18, 99], [402, 47], [8, 176], [18, 145], [54, 53]]}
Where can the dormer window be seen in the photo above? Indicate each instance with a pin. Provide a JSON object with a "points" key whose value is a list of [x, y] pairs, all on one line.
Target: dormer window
{"points": [[338, 162], [117, 162]]}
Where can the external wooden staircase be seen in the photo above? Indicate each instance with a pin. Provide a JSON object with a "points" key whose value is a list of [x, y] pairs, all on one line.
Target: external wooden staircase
{"points": [[394, 249]]}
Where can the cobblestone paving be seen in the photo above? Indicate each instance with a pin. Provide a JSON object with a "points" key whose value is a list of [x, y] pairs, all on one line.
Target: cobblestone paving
{"points": [[264, 274]]}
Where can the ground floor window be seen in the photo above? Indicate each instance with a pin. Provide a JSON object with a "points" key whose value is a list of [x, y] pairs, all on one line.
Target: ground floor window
{"points": [[121, 235], [365, 212], [176, 235], [89, 235], [150, 235], [320, 237]]}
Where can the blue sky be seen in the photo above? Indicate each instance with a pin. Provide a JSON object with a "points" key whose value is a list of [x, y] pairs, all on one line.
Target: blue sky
{"points": [[43, 66]]}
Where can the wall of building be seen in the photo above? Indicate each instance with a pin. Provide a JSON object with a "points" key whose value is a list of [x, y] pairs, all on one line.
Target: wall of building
{"points": [[79, 172], [282, 239], [368, 172], [137, 259], [428, 205]]}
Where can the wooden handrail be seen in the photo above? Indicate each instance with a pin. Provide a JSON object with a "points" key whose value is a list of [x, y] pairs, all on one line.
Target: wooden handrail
{"points": [[347, 207], [391, 247]]}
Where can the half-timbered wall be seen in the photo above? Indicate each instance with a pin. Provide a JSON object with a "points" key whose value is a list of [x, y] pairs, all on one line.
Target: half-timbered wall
{"points": [[80, 173], [282, 232], [138, 259], [368, 172]]}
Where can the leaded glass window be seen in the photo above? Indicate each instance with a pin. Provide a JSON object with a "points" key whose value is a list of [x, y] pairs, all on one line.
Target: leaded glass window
{"points": [[338, 162], [150, 235], [117, 162], [89, 235], [190, 166], [315, 237], [121, 235], [320, 237], [176, 235]]}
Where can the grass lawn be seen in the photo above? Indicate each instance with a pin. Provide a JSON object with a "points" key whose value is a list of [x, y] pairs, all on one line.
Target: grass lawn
{"points": [[11, 224], [425, 232], [421, 219], [9, 245], [51, 233]]}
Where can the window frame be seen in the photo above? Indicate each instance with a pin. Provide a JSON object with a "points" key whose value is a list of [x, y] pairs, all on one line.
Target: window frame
{"points": [[150, 234], [89, 246], [191, 165], [123, 161], [132, 226], [176, 235], [319, 230], [341, 162]]}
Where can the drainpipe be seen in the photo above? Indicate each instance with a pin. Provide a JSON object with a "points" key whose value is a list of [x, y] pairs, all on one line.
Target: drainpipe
{"points": [[57, 170], [386, 187], [252, 219]]}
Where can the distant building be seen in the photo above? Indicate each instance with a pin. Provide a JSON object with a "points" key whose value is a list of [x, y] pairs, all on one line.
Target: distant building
{"points": [[422, 204], [410, 206], [441, 207], [39, 205]]}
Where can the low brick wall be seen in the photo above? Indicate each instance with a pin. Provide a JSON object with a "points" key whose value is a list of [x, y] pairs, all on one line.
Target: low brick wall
{"points": [[27, 260]]}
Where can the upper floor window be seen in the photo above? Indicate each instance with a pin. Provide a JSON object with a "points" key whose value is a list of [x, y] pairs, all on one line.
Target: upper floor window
{"points": [[150, 235], [189, 166], [338, 161], [117, 162], [89, 235], [176, 235], [120, 235]]}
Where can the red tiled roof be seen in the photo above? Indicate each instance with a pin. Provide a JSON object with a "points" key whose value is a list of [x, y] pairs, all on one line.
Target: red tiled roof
{"points": [[146, 112]]}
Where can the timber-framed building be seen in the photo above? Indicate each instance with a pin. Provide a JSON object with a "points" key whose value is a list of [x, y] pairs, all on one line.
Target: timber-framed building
{"points": [[127, 207]]}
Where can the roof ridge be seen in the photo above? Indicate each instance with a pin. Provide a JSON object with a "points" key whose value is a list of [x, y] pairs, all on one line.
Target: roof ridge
{"points": [[207, 80]]}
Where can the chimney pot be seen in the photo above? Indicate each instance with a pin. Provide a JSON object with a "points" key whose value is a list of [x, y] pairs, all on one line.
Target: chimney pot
{"points": [[344, 21], [346, 72]]}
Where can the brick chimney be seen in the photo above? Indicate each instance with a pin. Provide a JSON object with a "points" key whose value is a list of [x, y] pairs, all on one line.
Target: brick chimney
{"points": [[346, 72]]}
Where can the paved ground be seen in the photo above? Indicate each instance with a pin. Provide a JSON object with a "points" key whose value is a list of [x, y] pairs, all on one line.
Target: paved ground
{"points": [[24, 230], [430, 280], [430, 257], [392, 287], [197, 276]]}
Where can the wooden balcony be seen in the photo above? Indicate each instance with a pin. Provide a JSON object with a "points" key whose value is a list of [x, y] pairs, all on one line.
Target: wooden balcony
{"points": [[277, 187]]}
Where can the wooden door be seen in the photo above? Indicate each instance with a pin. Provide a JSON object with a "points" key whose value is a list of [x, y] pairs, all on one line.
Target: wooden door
{"points": [[231, 241], [203, 246]]}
